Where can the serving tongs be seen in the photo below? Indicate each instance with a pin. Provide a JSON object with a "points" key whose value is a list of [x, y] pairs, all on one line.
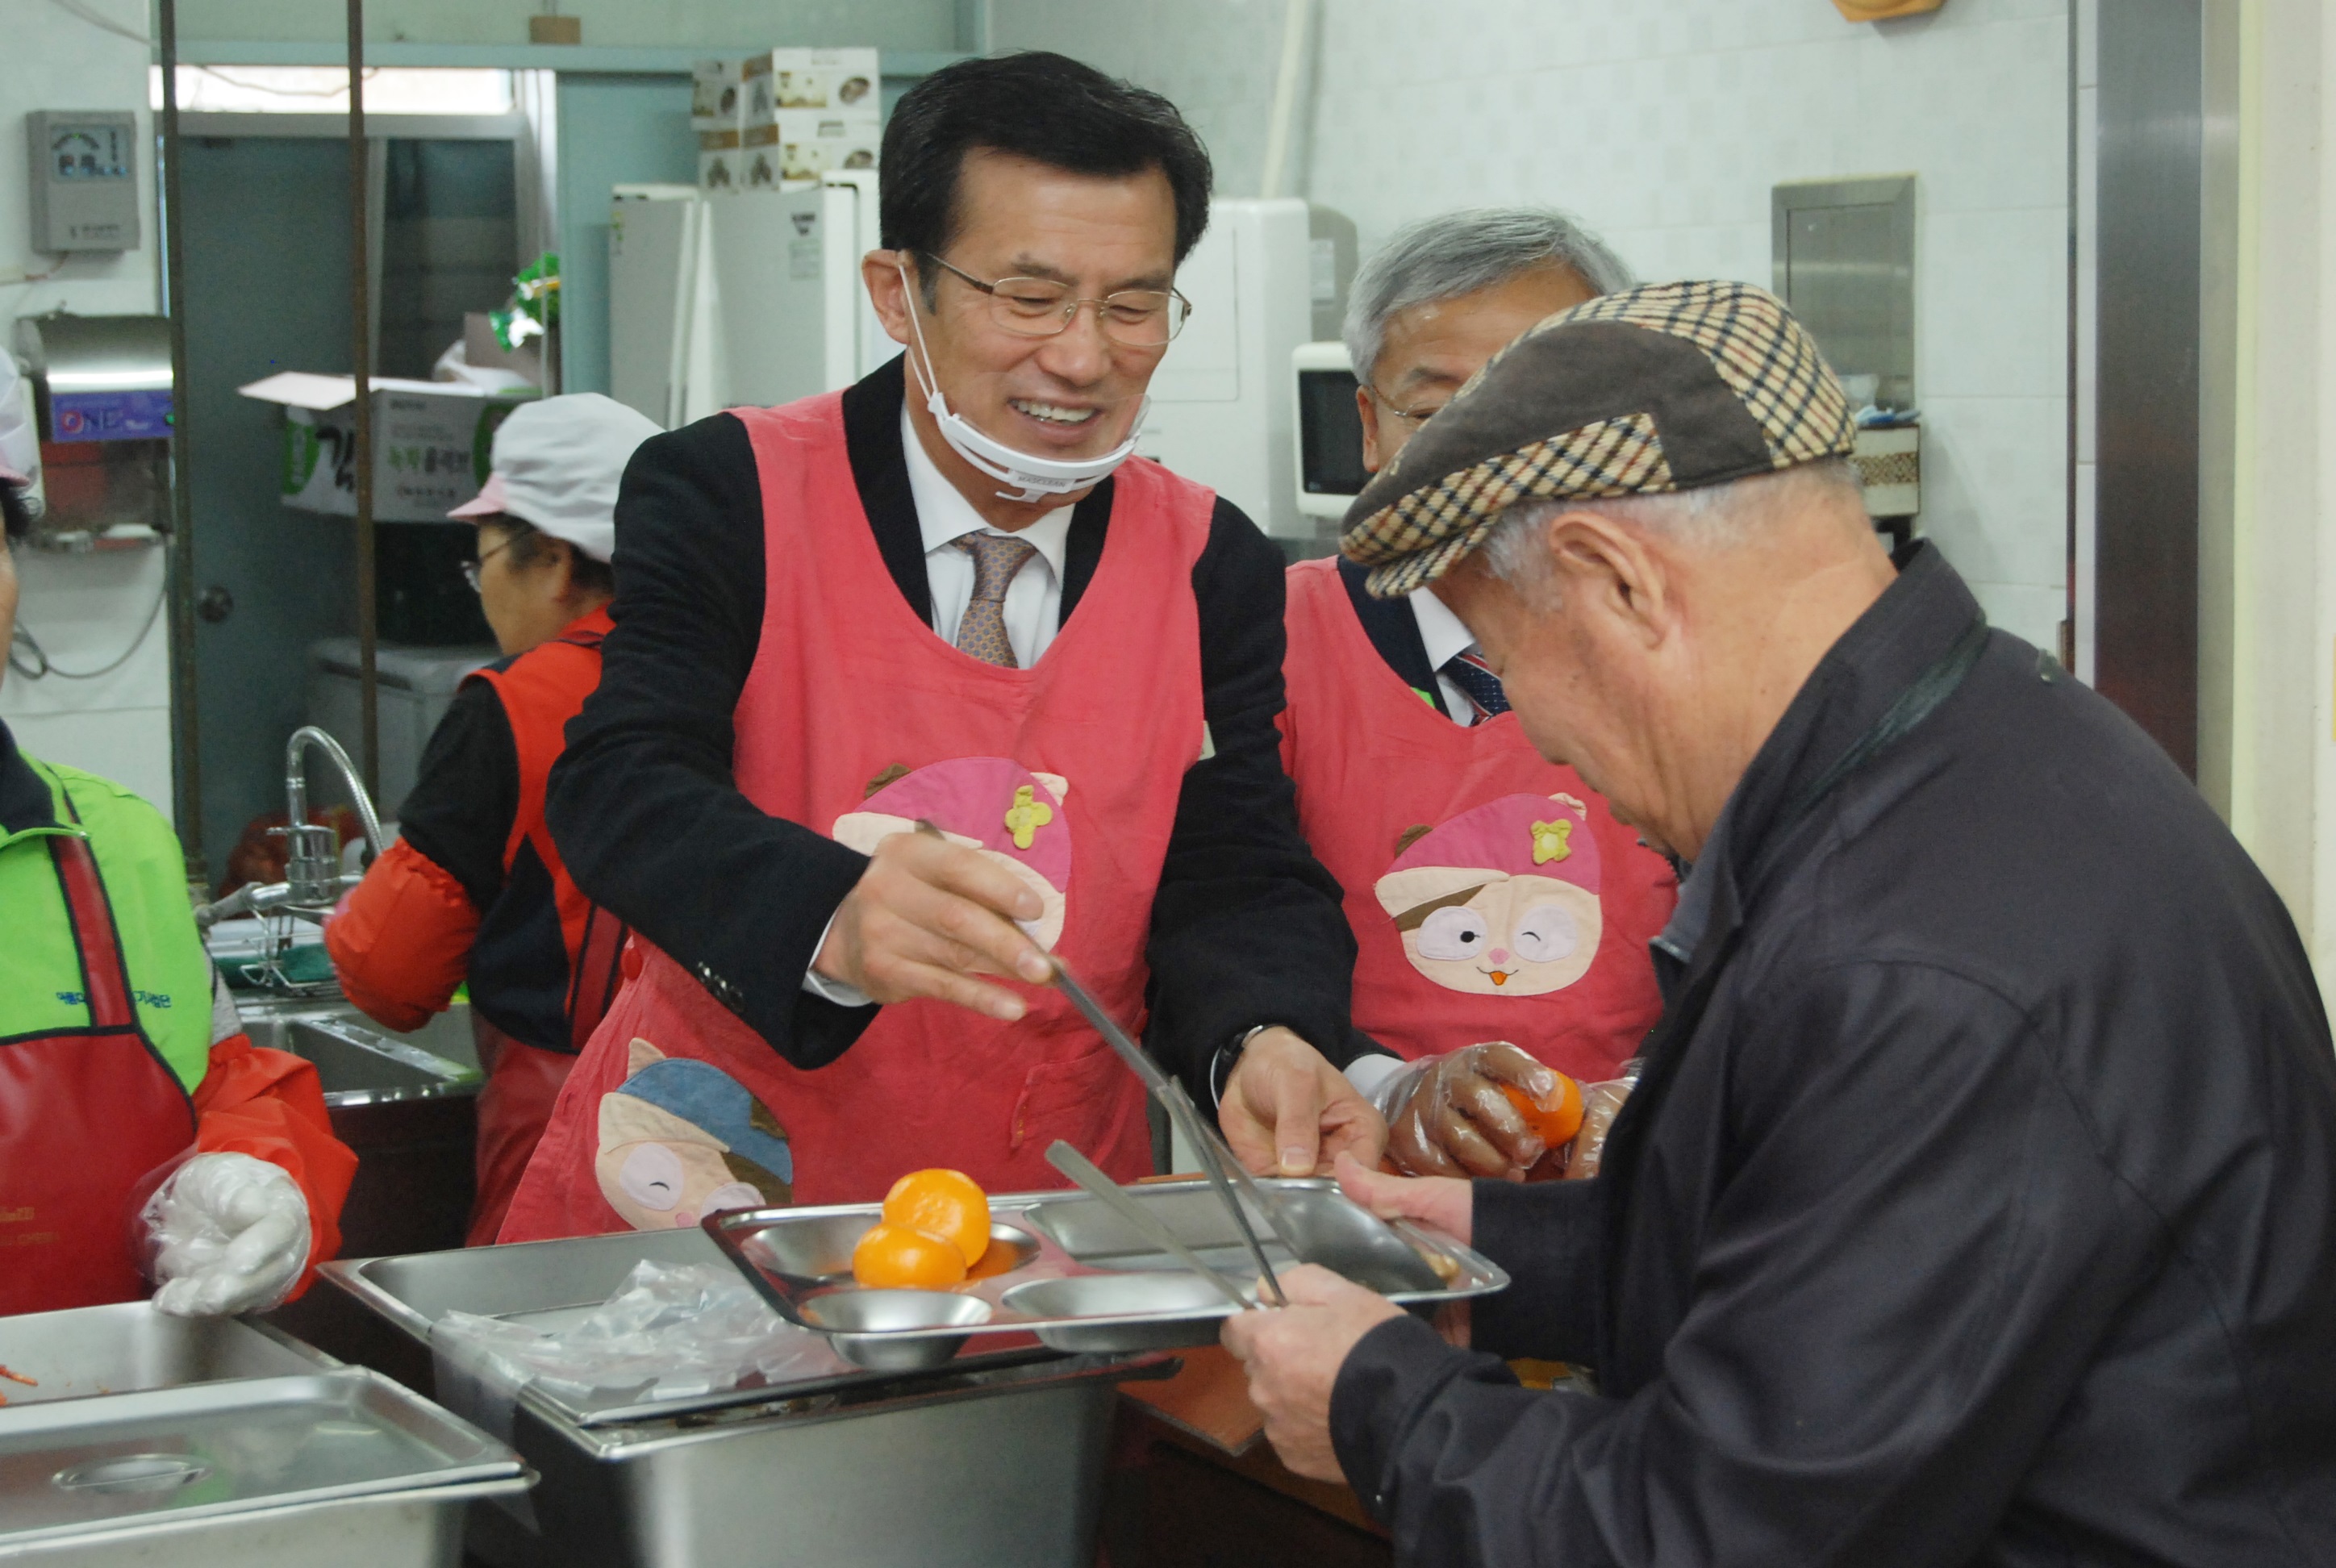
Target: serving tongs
{"points": [[1227, 1176], [1143, 1220]]}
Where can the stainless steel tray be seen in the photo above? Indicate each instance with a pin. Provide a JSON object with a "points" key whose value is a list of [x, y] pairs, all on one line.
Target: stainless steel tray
{"points": [[129, 1347], [1077, 1277], [548, 1285], [1004, 1456], [73, 1467]]}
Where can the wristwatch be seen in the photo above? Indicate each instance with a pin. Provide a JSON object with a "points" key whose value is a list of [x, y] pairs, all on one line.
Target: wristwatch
{"points": [[1220, 1070]]}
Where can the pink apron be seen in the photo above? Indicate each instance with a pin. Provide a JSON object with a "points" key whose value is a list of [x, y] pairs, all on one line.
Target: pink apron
{"points": [[1492, 896], [858, 721]]}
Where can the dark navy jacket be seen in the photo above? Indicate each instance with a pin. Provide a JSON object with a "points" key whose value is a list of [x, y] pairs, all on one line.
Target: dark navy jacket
{"points": [[1986, 1215]]}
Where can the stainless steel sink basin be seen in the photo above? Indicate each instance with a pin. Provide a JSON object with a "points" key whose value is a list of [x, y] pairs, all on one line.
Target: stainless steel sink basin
{"points": [[407, 1103], [360, 1062]]}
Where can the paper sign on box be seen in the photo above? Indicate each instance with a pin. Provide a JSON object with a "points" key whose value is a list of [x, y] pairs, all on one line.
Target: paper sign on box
{"points": [[432, 443], [841, 80]]}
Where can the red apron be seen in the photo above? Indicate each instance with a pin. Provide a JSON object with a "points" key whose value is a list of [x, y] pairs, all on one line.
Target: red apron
{"points": [[540, 691], [89, 1118], [856, 720], [1492, 895]]}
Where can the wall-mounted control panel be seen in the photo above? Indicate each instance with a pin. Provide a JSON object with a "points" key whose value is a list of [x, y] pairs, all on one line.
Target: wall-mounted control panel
{"points": [[85, 178]]}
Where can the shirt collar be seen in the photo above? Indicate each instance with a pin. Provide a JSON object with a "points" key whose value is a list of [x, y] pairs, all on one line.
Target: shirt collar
{"points": [[945, 516], [1441, 633], [1674, 948], [25, 801]]}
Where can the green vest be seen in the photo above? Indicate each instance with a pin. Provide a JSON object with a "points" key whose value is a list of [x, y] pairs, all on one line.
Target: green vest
{"points": [[144, 871]]}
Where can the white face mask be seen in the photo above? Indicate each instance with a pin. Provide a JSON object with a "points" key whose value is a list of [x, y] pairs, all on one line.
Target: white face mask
{"points": [[1039, 477]]}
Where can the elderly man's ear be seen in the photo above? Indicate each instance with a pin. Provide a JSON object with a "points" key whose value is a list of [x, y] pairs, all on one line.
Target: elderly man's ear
{"points": [[1615, 570]]}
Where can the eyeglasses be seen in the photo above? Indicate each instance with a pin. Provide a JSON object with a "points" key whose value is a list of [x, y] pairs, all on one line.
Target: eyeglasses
{"points": [[1415, 416], [1044, 307], [471, 567]]}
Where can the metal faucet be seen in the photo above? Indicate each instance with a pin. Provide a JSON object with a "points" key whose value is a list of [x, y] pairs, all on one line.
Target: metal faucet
{"points": [[313, 879]]}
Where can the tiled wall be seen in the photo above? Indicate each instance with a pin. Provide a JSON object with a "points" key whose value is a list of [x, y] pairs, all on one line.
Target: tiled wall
{"points": [[1663, 123], [84, 609]]}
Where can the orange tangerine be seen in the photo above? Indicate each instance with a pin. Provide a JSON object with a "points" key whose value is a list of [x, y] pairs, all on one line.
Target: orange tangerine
{"points": [[1556, 1122], [895, 1257], [945, 1203]]}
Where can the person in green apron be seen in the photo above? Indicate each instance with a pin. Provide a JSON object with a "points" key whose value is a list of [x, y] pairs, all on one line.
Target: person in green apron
{"points": [[144, 1141]]}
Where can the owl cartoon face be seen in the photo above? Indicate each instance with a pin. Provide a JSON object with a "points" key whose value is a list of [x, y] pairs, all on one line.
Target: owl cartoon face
{"points": [[681, 1139], [992, 806], [1501, 901]]}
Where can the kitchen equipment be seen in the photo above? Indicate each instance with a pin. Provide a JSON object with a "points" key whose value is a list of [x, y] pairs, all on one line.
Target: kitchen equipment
{"points": [[1217, 1162], [335, 1466], [1105, 1191], [1090, 1278], [101, 393], [999, 1460], [128, 1346]]}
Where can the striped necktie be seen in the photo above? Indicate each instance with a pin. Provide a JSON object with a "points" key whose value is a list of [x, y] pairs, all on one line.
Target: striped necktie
{"points": [[1477, 683], [981, 631]]}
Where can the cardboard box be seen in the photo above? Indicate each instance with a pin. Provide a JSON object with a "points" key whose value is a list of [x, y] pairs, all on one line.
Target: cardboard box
{"points": [[719, 167], [841, 80], [716, 102], [806, 143], [432, 443]]}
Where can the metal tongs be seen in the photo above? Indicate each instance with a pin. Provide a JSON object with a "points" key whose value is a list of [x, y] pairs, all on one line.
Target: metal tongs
{"points": [[1226, 1174], [1143, 1220]]}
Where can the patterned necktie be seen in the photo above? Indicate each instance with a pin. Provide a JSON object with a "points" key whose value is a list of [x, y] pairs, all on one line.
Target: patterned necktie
{"points": [[982, 630], [1477, 682]]}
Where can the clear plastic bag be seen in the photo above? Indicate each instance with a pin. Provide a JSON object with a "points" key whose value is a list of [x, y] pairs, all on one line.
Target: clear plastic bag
{"points": [[1601, 1102], [682, 1330], [226, 1233]]}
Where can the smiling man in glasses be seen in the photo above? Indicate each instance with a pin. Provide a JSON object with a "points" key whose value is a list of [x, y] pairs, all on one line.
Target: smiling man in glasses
{"points": [[1502, 913], [911, 685]]}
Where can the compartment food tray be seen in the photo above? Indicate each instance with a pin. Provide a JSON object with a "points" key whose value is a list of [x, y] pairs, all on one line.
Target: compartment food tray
{"points": [[1066, 1271]]}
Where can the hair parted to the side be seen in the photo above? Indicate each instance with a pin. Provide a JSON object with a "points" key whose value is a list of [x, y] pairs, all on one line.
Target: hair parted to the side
{"points": [[15, 511], [1713, 515], [531, 546], [1045, 107], [1457, 253]]}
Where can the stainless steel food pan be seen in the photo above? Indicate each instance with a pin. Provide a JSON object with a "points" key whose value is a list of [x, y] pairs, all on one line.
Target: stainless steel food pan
{"points": [[208, 1473], [129, 1347], [1081, 1279], [999, 1464]]}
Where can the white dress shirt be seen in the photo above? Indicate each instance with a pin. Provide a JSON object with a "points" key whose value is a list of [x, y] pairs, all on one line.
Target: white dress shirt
{"points": [[1034, 600], [1445, 637]]}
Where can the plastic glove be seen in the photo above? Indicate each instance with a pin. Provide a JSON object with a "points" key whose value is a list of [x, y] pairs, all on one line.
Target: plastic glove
{"points": [[1447, 1116], [231, 1234]]}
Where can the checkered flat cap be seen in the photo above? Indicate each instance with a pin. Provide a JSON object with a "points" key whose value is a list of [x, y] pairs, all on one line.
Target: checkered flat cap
{"points": [[1667, 387]]}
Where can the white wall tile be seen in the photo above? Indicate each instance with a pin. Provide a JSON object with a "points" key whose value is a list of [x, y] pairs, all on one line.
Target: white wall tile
{"points": [[1664, 127], [84, 609], [1995, 486], [2088, 596], [1992, 317], [118, 743], [2033, 613]]}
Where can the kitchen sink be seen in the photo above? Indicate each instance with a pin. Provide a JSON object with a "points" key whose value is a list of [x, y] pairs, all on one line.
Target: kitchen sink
{"points": [[406, 1103], [360, 1062]]}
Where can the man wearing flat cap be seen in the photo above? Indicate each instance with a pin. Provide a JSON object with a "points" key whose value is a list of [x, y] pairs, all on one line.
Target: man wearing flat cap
{"points": [[1977, 1203]]}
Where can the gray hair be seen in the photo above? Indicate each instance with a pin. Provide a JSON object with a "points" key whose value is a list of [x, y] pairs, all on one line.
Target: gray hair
{"points": [[1712, 514], [1457, 253]]}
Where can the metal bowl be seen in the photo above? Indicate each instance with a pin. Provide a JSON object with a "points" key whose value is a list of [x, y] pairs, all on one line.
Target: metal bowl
{"points": [[894, 1331], [819, 1247], [1197, 1306]]}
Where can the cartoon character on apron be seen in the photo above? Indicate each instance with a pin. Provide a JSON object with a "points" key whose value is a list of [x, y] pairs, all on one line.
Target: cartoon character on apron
{"points": [[1501, 901]]}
